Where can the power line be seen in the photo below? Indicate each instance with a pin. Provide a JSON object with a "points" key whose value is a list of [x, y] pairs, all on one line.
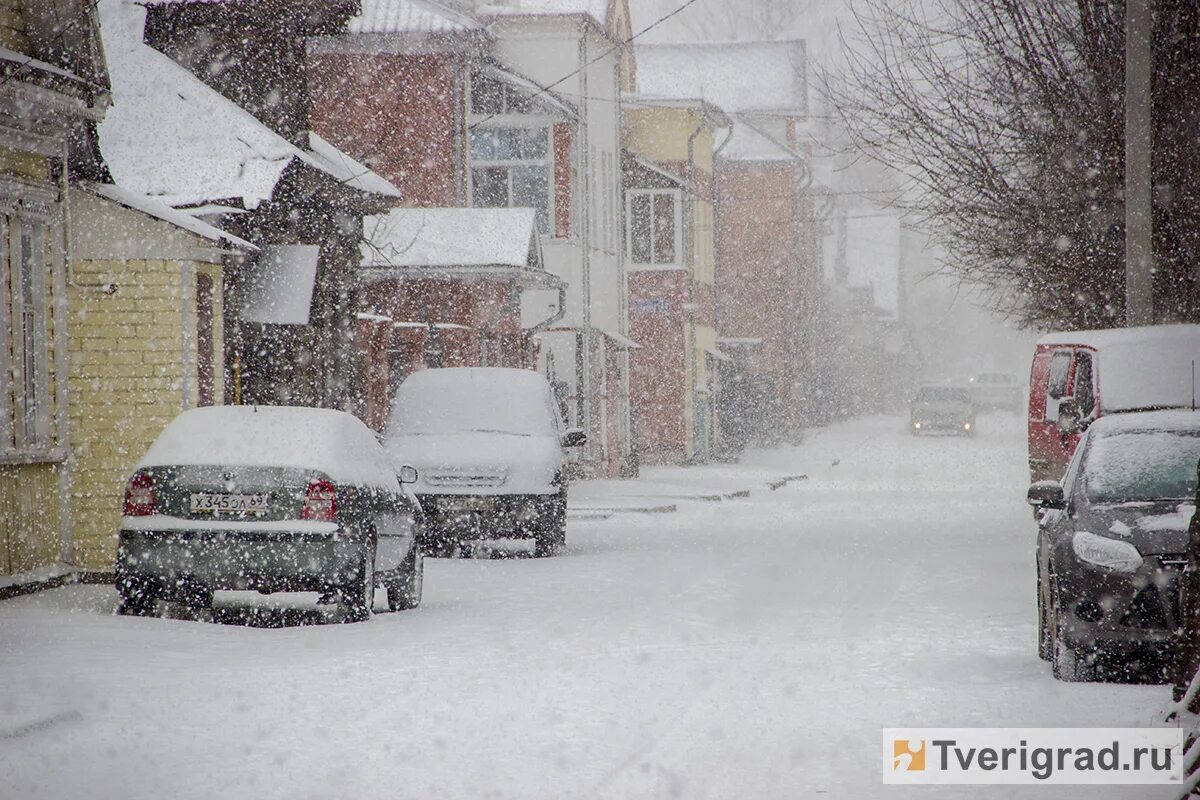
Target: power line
{"points": [[605, 54]]}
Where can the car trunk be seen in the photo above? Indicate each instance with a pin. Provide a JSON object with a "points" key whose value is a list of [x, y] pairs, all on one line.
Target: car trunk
{"points": [[230, 492]]}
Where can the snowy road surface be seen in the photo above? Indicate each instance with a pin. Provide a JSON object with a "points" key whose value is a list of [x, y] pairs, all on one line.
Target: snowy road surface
{"points": [[750, 648]]}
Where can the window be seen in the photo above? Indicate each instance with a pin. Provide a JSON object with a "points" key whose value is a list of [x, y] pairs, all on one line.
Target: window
{"points": [[1084, 394], [654, 228], [511, 168], [1060, 373], [25, 408], [512, 159]]}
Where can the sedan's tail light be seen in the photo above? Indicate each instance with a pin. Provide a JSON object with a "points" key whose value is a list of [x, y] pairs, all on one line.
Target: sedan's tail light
{"points": [[139, 496], [320, 500]]}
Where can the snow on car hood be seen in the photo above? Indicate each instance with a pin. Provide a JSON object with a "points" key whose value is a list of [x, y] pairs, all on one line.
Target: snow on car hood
{"points": [[478, 462]]}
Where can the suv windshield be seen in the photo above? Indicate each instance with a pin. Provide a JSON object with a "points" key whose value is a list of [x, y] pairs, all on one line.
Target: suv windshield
{"points": [[942, 394], [1142, 465]]}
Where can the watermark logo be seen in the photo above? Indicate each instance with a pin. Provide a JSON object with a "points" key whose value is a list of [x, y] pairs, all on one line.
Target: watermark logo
{"points": [[908, 756], [1032, 756]]}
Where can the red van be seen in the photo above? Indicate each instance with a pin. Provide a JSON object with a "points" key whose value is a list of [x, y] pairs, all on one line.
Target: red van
{"points": [[1078, 376]]}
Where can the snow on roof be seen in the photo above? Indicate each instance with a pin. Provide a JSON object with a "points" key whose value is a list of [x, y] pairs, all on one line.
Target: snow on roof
{"points": [[319, 439], [409, 16], [458, 237], [160, 210], [170, 136], [347, 170], [596, 9], [740, 77]]}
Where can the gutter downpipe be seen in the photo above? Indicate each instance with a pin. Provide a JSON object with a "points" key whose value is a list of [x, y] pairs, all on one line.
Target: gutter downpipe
{"points": [[690, 244], [62, 422], [717, 233]]}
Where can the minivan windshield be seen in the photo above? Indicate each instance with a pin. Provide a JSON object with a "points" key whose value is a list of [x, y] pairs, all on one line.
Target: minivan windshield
{"points": [[463, 403], [942, 394], [1133, 466]]}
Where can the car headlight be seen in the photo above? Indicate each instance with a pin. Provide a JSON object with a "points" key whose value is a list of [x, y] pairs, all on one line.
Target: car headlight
{"points": [[1105, 552]]}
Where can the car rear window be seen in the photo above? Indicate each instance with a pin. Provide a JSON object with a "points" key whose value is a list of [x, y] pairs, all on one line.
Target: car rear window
{"points": [[1133, 466]]}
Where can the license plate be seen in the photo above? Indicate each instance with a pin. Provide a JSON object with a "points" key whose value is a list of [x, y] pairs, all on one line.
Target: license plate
{"points": [[470, 503], [219, 503]]}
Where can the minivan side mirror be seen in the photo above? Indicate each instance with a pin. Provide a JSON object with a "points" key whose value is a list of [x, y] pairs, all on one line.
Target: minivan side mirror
{"points": [[574, 437], [1046, 494], [407, 474]]}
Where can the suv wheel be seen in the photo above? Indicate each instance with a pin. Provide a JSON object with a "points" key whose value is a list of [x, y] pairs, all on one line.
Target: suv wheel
{"points": [[1070, 663], [404, 591], [551, 535], [136, 597], [358, 597]]}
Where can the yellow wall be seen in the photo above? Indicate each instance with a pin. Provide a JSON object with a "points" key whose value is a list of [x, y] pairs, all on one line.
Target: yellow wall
{"points": [[12, 26], [126, 382], [661, 134], [29, 518]]}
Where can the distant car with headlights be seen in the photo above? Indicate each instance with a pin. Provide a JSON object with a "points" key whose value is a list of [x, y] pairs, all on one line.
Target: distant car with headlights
{"points": [[997, 391], [490, 448], [944, 408], [271, 499], [1113, 541]]}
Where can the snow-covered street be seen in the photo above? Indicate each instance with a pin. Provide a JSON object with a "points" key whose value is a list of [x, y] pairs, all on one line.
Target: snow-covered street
{"points": [[752, 647]]}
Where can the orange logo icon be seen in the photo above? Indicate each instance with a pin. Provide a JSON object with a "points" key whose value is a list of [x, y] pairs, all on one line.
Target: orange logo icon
{"points": [[906, 757]]}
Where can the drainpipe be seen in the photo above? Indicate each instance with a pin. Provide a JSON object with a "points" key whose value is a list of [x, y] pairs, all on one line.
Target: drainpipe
{"points": [[556, 316], [62, 422], [690, 245], [717, 234]]}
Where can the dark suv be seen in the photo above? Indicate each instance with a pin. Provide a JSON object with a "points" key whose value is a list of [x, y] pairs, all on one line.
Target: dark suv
{"points": [[1112, 542]]}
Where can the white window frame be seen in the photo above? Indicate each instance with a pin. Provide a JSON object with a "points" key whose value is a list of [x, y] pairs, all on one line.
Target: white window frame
{"points": [[631, 264], [507, 120]]}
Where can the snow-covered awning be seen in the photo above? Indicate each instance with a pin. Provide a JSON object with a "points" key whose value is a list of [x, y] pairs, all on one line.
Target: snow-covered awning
{"points": [[470, 243], [160, 210], [170, 136], [280, 291]]}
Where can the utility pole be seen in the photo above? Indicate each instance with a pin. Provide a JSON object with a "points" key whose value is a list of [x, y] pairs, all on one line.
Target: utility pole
{"points": [[1139, 110]]}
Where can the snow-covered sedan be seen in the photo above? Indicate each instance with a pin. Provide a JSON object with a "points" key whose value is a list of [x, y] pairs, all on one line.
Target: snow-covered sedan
{"points": [[489, 446], [945, 408], [1113, 541], [269, 499]]}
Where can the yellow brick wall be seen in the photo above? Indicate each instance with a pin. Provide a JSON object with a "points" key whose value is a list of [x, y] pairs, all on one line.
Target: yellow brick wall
{"points": [[127, 382], [29, 531], [12, 26]]}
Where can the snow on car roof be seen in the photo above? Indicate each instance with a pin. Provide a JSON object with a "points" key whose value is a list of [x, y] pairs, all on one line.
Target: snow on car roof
{"points": [[320, 439], [1111, 336], [1140, 368], [1181, 420]]}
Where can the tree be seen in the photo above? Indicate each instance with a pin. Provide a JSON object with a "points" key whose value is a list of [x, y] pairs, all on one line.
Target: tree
{"points": [[1007, 119]]}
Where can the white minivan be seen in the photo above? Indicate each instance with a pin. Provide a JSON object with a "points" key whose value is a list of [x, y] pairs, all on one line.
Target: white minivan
{"points": [[489, 447]]}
